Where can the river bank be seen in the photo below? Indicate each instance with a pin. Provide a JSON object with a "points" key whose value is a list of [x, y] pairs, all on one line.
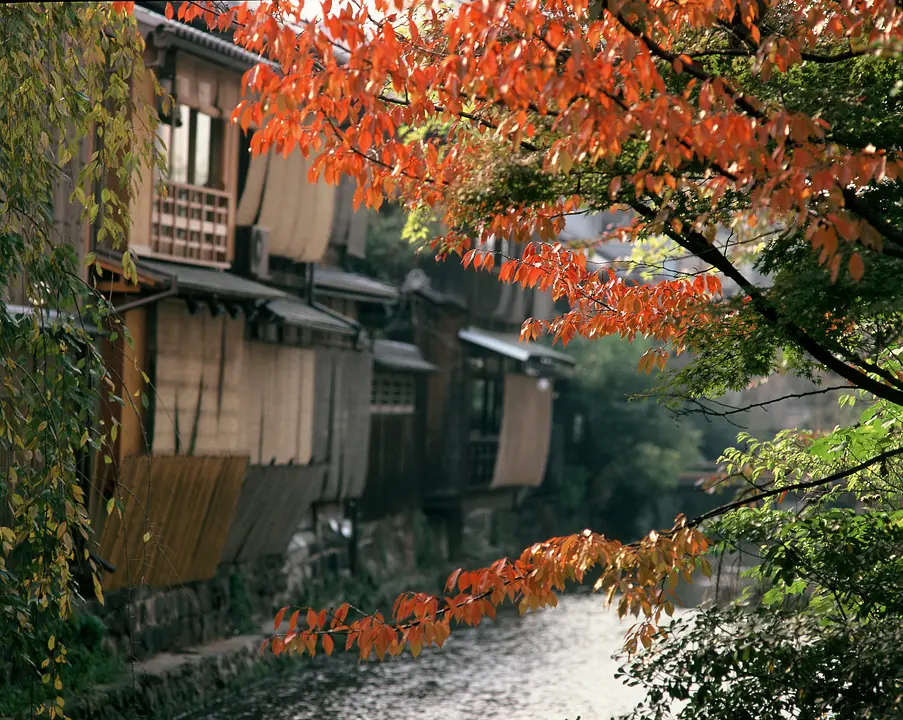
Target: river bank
{"points": [[189, 645], [188, 679], [554, 664]]}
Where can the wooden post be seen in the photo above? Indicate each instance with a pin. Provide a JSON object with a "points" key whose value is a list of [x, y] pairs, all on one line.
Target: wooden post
{"points": [[352, 514]]}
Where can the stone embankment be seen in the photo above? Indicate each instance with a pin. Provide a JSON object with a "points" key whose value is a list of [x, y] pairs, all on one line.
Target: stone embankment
{"points": [[168, 684]]}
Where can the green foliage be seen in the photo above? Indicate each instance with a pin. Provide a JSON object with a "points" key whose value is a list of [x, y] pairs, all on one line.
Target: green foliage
{"points": [[819, 634], [88, 663], [66, 72], [240, 610], [629, 449], [390, 255], [766, 665]]}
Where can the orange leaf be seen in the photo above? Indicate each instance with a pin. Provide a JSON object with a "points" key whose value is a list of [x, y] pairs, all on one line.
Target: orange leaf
{"points": [[279, 615], [453, 579], [857, 267], [328, 644], [342, 612]]}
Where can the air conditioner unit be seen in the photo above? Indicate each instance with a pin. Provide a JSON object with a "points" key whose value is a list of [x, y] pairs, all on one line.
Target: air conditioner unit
{"points": [[252, 255]]}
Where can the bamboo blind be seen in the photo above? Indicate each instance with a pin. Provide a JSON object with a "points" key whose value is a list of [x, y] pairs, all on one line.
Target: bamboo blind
{"points": [[186, 504], [199, 382], [274, 502], [278, 403], [525, 435]]}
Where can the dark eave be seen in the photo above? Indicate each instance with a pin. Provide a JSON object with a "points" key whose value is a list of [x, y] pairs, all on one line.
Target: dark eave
{"points": [[509, 345], [400, 357], [207, 282], [336, 282], [296, 312], [199, 42]]}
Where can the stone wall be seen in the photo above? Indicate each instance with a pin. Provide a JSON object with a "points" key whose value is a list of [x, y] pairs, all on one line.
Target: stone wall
{"points": [[146, 621], [197, 642]]}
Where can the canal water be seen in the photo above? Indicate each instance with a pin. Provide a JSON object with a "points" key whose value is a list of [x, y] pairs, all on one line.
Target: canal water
{"points": [[555, 664]]}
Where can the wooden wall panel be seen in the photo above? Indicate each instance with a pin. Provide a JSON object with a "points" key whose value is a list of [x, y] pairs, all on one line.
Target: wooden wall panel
{"points": [[323, 381], [198, 374], [125, 364], [338, 427], [134, 359], [274, 502], [447, 411], [395, 448], [356, 441], [186, 504]]}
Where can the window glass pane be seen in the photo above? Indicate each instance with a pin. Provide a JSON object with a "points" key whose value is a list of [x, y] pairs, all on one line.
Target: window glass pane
{"points": [[201, 149], [178, 157]]}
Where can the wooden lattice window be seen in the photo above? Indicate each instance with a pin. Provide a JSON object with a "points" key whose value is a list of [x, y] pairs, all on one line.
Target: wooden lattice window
{"points": [[392, 394]]}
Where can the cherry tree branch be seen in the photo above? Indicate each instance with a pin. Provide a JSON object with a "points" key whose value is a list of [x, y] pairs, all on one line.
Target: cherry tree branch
{"points": [[806, 485]]}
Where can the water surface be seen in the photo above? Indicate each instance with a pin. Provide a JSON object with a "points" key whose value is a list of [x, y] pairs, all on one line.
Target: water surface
{"points": [[551, 665]]}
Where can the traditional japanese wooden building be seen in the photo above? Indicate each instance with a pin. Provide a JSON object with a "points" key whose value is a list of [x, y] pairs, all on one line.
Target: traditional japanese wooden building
{"points": [[246, 337], [253, 382], [488, 420]]}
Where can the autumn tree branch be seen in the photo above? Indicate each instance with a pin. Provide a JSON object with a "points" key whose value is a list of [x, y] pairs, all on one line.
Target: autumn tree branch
{"points": [[699, 246], [708, 411], [806, 485], [808, 56], [851, 200]]}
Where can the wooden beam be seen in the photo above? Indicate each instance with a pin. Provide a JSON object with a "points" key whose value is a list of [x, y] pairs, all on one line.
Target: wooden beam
{"points": [[117, 286]]}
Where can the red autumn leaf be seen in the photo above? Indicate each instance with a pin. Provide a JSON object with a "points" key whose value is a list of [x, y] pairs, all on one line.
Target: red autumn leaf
{"points": [[554, 91], [277, 622], [857, 267]]}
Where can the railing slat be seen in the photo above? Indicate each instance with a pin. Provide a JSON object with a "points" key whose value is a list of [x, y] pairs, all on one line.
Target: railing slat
{"points": [[192, 223]]}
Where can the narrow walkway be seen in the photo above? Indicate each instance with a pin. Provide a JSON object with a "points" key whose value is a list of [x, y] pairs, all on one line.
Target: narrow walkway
{"points": [[165, 663]]}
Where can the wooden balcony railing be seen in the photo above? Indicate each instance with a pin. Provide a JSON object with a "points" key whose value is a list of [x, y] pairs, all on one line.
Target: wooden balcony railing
{"points": [[192, 224]]}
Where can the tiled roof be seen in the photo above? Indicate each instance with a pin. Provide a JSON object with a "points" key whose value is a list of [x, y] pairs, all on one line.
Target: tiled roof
{"points": [[297, 312]]}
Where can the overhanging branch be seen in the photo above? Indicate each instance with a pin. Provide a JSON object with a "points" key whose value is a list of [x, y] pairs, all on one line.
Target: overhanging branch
{"points": [[806, 485]]}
